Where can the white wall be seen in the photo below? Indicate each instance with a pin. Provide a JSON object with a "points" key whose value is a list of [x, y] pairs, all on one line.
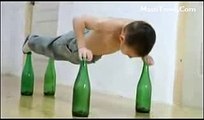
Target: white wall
{"points": [[192, 90], [12, 35], [117, 74], [44, 22]]}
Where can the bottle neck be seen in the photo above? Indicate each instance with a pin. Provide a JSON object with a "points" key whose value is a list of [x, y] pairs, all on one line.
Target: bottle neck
{"points": [[83, 68], [83, 64], [28, 58], [145, 72], [145, 67], [51, 61]]}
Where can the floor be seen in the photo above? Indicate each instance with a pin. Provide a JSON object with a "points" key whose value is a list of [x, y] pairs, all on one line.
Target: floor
{"points": [[102, 106]]}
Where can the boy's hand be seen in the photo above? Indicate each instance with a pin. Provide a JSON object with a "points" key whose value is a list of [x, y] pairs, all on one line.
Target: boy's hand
{"points": [[148, 60], [85, 53]]}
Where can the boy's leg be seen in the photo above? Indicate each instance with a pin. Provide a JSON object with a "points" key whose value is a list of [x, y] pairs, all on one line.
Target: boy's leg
{"points": [[63, 47], [57, 48]]}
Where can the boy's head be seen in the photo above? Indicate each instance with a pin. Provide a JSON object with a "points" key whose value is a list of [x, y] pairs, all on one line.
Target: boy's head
{"points": [[137, 39]]}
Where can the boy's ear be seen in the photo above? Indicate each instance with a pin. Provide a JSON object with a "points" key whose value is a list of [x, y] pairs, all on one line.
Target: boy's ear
{"points": [[122, 38]]}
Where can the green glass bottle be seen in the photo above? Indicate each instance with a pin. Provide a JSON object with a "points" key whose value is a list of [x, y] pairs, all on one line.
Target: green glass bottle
{"points": [[81, 92], [143, 91], [27, 77], [50, 79]]}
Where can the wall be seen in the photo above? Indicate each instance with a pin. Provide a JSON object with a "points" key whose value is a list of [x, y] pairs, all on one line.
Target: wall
{"points": [[12, 37], [192, 84], [188, 84], [117, 74], [44, 22]]}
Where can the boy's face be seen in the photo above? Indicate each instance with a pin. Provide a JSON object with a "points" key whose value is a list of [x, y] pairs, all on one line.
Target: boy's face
{"points": [[125, 49]]}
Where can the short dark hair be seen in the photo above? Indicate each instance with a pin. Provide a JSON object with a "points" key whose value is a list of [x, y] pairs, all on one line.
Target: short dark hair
{"points": [[140, 36]]}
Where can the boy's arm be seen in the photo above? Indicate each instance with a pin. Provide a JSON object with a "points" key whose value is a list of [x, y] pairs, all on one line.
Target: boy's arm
{"points": [[79, 24]]}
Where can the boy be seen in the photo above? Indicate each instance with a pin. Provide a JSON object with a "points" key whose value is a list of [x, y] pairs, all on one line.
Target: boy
{"points": [[94, 37]]}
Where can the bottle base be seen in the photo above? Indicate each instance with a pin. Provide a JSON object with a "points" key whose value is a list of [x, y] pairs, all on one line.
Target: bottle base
{"points": [[142, 110], [26, 93], [80, 114], [49, 93]]}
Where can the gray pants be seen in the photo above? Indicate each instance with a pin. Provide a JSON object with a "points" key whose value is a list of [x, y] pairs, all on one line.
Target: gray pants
{"points": [[63, 47]]}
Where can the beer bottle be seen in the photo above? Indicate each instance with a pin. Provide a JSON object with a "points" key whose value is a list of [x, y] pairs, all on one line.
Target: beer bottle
{"points": [[143, 91], [27, 77], [81, 92], [50, 79]]}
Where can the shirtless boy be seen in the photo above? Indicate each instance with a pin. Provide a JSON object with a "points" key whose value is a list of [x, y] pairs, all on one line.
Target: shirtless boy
{"points": [[92, 37]]}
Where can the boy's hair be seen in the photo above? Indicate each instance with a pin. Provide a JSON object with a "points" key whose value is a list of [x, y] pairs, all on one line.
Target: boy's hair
{"points": [[140, 36]]}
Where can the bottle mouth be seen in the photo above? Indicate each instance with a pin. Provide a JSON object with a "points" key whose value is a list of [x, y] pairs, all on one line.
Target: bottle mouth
{"points": [[84, 59], [29, 53]]}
